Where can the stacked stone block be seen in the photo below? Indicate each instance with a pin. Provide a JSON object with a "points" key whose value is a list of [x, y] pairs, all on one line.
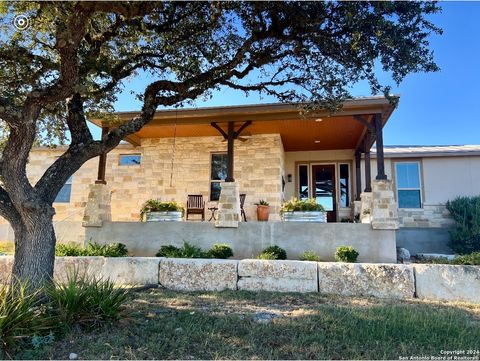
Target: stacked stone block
{"points": [[228, 206], [384, 207]]}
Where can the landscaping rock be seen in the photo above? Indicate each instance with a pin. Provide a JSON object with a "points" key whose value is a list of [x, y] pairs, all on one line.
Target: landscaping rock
{"points": [[448, 282], [366, 279], [132, 270], [198, 274], [72, 356], [264, 317], [278, 276], [66, 267], [403, 255]]}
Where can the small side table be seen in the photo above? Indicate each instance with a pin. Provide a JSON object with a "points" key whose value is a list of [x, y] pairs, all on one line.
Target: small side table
{"points": [[213, 210]]}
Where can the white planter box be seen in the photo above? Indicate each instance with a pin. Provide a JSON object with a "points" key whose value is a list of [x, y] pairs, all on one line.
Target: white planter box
{"points": [[167, 216], [312, 216]]}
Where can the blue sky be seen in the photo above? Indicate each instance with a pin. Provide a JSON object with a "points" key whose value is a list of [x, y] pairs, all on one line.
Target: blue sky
{"points": [[435, 108]]}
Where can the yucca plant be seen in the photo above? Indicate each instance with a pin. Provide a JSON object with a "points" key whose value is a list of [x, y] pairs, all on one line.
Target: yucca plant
{"points": [[21, 315], [85, 300]]}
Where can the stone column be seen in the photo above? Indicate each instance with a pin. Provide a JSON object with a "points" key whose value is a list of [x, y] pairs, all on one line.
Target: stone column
{"points": [[384, 207], [228, 206], [98, 207], [366, 207]]}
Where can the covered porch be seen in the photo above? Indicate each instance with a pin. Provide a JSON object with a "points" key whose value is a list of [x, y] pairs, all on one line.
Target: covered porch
{"points": [[315, 155]]}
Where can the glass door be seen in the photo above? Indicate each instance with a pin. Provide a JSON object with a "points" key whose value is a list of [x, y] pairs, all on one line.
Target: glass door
{"points": [[323, 188]]}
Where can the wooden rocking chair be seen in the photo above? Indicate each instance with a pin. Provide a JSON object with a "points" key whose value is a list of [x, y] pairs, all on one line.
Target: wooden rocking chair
{"points": [[195, 205]]}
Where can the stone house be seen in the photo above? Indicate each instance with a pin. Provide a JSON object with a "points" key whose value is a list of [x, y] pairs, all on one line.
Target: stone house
{"points": [[270, 152]]}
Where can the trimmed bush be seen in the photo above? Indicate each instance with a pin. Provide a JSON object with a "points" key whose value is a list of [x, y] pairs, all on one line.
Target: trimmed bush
{"points": [[273, 251], [93, 249], [169, 251], [220, 251], [465, 211], [346, 254], [309, 256], [86, 301]]}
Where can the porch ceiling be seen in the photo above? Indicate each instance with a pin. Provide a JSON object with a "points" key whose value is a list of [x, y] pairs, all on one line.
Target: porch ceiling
{"points": [[339, 131]]}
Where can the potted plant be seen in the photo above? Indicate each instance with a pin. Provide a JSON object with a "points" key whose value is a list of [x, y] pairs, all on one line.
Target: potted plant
{"points": [[307, 210], [263, 210], [154, 210]]}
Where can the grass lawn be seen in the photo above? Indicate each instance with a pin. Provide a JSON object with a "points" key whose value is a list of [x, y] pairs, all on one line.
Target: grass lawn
{"points": [[163, 324]]}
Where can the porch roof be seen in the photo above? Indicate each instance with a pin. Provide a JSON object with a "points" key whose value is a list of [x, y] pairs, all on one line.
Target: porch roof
{"points": [[318, 131]]}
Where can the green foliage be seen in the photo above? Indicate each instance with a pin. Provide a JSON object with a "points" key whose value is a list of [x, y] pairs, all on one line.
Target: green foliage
{"points": [[472, 259], [273, 252], [309, 256], [69, 250], [262, 202], [155, 205], [86, 301], [220, 251], [21, 315], [299, 205], [465, 238], [346, 254], [92, 249]]}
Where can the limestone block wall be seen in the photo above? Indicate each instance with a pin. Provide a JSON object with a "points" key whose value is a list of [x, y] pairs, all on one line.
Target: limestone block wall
{"points": [[430, 216], [259, 164]]}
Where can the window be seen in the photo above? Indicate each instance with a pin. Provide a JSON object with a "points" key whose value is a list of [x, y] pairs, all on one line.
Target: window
{"points": [[130, 159], [64, 195], [408, 185], [344, 186], [218, 173], [303, 181]]}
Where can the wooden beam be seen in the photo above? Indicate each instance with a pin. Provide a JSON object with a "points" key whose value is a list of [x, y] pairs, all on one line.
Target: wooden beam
{"points": [[368, 171], [220, 130], [365, 122], [358, 175], [242, 128], [102, 162], [379, 141], [230, 144]]}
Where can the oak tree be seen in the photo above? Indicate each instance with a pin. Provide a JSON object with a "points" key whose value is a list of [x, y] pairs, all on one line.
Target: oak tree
{"points": [[73, 58]]}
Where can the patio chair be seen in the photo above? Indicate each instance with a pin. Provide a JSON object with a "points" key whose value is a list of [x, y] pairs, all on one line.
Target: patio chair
{"points": [[195, 205], [242, 202]]}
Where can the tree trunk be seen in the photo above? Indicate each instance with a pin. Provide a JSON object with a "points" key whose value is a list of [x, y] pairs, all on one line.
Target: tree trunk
{"points": [[34, 248]]}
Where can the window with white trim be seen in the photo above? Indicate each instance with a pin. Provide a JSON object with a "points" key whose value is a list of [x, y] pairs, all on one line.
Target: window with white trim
{"points": [[64, 195], [408, 184]]}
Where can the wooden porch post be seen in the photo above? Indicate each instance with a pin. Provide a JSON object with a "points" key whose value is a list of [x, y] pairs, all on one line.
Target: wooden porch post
{"points": [[102, 162], [230, 143], [358, 175], [379, 141], [368, 172]]}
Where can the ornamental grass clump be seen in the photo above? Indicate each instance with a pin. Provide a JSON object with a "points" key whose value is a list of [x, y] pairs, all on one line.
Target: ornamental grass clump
{"points": [[155, 205], [86, 301], [346, 254], [301, 205], [220, 251], [92, 249], [22, 316]]}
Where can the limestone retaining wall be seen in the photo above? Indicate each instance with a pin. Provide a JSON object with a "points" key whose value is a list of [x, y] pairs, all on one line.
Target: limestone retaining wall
{"points": [[395, 281]]}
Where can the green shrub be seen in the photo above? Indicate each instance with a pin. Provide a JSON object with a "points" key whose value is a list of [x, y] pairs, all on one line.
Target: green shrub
{"points": [[86, 301], [346, 254], [465, 211], [472, 259], [309, 256], [298, 205], [92, 249], [155, 205], [186, 251], [69, 250], [21, 316], [169, 251], [221, 251], [273, 251]]}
